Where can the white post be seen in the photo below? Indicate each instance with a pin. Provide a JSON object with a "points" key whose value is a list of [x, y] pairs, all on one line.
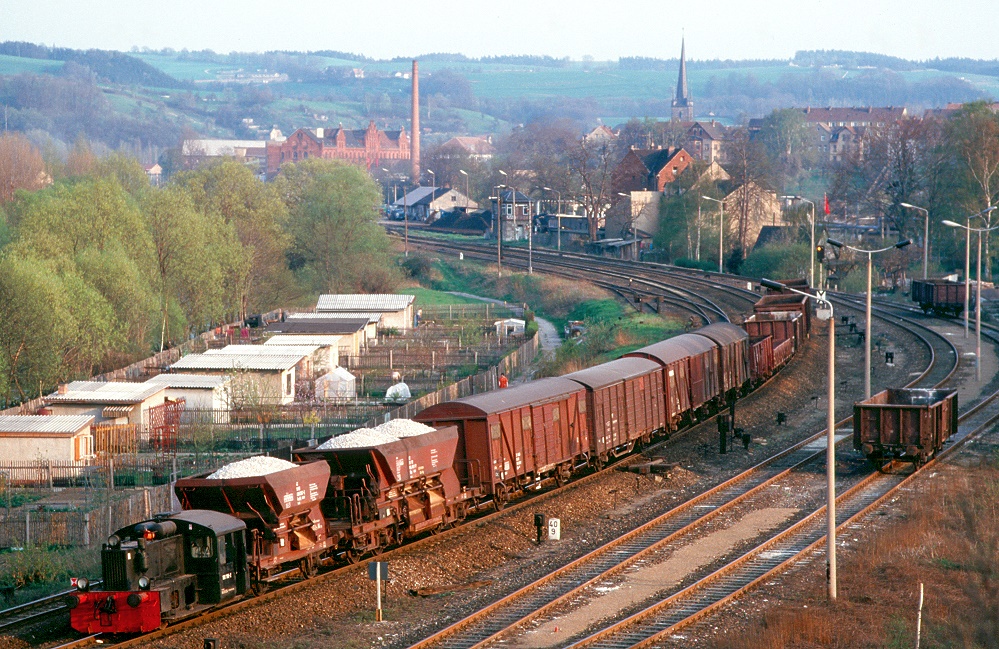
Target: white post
{"points": [[378, 590], [867, 333], [967, 274], [811, 270], [919, 616], [721, 236], [978, 313], [831, 464]]}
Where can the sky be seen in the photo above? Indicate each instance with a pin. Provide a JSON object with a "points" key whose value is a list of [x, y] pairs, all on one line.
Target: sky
{"points": [[724, 29]]}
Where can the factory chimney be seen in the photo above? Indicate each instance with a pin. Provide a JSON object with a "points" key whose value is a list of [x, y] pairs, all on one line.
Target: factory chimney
{"points": [[414, 153]]}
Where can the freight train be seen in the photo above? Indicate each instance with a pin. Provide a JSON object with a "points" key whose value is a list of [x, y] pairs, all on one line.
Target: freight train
{"points": [[237, 534]]}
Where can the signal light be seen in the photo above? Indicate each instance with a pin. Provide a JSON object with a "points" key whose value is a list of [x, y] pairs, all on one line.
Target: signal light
{"points": [[820, 252]]}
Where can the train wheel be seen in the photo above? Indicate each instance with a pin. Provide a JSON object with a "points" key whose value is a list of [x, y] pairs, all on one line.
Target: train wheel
{"points": [[307, 566], [501, 497], [352, 556]]}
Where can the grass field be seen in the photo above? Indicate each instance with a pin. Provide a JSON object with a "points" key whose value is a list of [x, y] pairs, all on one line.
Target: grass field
{"points": [[430, 297], [18, 65]]}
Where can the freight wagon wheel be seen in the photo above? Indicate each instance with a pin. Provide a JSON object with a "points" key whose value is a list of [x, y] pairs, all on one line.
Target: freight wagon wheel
{"points": [[307, 566], [501, 496], [352, 556]]}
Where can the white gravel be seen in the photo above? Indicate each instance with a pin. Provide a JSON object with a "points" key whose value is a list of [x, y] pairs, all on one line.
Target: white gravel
{"points": [[385, 433], [251, 467]]}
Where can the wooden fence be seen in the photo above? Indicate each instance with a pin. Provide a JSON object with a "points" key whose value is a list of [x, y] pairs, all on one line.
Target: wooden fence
{"points": [[86, 525]]}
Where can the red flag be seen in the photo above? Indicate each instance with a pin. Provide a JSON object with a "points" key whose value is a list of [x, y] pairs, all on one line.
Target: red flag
{"points": [[826, 197]]}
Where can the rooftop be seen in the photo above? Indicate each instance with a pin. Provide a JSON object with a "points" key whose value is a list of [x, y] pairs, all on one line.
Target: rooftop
{"points": [[259, 362], [117, 392], [189, 381], [364, 302], [62, 424]]}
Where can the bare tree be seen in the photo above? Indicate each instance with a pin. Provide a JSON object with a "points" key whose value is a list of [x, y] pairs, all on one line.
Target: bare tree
{"points": [[21, 166], [592, 163]]}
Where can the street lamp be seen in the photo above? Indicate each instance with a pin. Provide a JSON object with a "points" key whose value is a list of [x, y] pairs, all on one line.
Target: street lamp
{"points": [[867, 312], [824, 311], [811, 254], [926, 233], [498, 227], [558, 214], [465, 174], [433, 178], [721, 231], [978, 288]]}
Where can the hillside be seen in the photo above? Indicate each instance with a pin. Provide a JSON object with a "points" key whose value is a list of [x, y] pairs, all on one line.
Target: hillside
{"points": [[147, 99]]}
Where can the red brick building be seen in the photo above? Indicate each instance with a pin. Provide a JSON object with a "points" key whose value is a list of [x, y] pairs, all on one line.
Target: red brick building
{"points": [[369, 147], [649, 169]]}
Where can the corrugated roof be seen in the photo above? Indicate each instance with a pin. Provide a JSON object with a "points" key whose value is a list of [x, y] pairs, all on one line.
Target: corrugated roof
{"points": [[60, 424], [262, 362], [339, 315], [513, 397], [190, 381], [723, 333], [113, 412], [330, 326], [364, 302], [674, 349], [115, 392], [614, 372], [265, 350], [295, 340]]}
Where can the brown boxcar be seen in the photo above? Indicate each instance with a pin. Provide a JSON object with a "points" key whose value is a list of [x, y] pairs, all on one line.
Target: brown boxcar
{"points": [[786, 302], [380, 494], [939, 295], [909, 424], [733, 345], [626, 402], [761, 358], [781, 325], [281, 511], [515, 436], [690, 373]]}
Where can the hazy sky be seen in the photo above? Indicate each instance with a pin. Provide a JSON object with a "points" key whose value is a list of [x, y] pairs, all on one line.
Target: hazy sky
{"points": [[736, 29]]}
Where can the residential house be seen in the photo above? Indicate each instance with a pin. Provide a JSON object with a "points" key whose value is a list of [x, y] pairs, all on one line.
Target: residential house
{"points": [[706, 141], [642, 176], [426, 204], [154, 172], [602, 133], [52, 438], [478, 148], [837, 132], [369, 147], [747, 210]]}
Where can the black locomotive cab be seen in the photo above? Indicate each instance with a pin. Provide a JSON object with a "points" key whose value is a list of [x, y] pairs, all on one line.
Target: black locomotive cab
{"points": [[163, 569]]}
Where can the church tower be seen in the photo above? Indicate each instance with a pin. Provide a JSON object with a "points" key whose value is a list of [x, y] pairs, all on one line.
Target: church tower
{"points": [[683, 105]]}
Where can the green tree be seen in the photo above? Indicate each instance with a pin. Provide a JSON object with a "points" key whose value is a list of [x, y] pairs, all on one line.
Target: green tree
{"points": [[338, 244], [229, 190]]}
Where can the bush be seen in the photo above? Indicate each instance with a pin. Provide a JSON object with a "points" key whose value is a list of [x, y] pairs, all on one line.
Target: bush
{"points": [[777, 262], [700, 264]]}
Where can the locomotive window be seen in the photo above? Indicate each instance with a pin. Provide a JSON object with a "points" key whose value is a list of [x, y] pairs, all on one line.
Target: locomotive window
{"points": [[494, 431], [201, 547], [229, 551]]}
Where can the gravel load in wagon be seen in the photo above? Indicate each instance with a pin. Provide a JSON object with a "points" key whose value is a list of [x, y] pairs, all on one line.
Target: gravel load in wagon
{"points": [[251, 467], [392, 462], [390, 431], [909, 424], [274, 495]]}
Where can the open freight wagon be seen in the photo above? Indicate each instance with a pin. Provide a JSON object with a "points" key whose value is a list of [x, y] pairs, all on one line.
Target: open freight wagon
{"points": [[281, 511], [940, 296], [381, 494], [907, 424]]}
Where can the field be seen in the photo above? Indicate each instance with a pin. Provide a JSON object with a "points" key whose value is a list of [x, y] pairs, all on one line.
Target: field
{"points": [[19, 65]]}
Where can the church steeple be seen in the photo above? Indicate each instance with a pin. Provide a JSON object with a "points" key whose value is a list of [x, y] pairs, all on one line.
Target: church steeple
{"points": [[683, 105]]}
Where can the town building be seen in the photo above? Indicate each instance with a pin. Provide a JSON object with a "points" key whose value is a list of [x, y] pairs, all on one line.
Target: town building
{"points": [[516, 211], [49, 438], [683, 103], [476, 148], [368, 147], [353, 333], [426, 204], [315, 361]]}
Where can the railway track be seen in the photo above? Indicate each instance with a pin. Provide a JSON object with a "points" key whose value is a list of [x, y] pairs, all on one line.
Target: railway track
{"points": [[569, 582]]}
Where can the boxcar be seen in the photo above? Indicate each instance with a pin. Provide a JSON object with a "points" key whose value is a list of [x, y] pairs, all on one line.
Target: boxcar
{"points": [[515, 436], [781, 325], [690, 373], [909, 424], [733, 348], [626, 402], [761, 358], [786, 302], [940, 296]]}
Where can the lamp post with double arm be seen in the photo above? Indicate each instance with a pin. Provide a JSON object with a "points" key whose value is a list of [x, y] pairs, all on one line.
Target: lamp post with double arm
{"points": [[721, 231], [978, 287], [811, 220], [867, 312], [926, 234], [824, 311]]}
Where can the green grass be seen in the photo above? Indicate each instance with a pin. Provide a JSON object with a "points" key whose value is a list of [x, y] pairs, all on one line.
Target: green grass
{"points": [[431, 297], [184, 70], [20, 64]]}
